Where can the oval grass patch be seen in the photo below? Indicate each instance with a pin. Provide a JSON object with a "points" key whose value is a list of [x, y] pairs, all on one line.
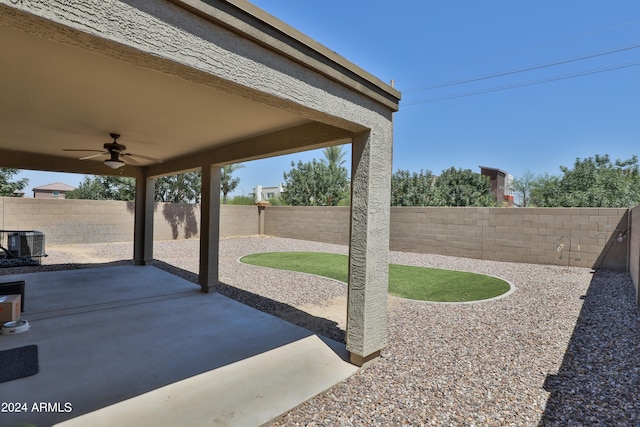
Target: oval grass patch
{"points": [[419, 283]]}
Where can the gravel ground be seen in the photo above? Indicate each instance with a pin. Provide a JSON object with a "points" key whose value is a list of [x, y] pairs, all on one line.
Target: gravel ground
{"points": [[562, 350]]}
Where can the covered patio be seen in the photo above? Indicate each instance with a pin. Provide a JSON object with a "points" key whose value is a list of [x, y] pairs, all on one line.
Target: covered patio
{"points": [[114, 350], [187, 85]]}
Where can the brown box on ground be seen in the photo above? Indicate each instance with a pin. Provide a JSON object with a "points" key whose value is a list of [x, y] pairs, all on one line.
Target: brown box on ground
{"points": [[9, 308]]}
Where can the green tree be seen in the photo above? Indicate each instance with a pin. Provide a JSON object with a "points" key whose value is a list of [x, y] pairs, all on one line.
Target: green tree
{"points": [[315, 183], [545, 191], [463, 187], [334, 155], [413, 189], [7, 186], [181, 188], [227, 182], [104, 188], [523, 186], [593, 182]]}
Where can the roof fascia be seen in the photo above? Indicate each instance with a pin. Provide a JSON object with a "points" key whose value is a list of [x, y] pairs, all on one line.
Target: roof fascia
{"points": [[257, 25]]}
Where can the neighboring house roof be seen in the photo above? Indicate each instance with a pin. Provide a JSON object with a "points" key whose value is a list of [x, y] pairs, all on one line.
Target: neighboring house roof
{"points": [[56, 186], [493, 169]]}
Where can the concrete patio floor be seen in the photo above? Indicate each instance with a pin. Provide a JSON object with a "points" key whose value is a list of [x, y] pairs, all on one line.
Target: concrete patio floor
{"points": [[128, 345]]}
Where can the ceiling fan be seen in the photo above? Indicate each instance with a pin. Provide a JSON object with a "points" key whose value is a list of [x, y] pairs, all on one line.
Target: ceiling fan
{"points": [[114, 150]]}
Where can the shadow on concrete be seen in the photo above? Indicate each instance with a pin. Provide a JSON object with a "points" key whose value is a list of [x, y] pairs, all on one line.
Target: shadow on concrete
{"points": [[117, 332], [58, 267], [318, 325], [286, 312], [599, 379]]}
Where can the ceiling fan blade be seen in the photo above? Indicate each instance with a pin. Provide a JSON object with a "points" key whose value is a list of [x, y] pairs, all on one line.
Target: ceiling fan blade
{"points": [[94, 155], [80, 149], [144, 157], [128, 158]]}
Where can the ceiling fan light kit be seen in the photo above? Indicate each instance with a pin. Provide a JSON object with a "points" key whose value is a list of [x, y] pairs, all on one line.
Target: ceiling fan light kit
{"points": [[114, 164]]}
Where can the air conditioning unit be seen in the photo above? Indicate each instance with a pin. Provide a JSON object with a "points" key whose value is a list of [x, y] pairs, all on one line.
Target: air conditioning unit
{"points": [[26, 244]]}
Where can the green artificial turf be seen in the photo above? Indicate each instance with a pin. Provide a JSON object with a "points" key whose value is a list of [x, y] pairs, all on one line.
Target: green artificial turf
{"points": [[427, 284]]}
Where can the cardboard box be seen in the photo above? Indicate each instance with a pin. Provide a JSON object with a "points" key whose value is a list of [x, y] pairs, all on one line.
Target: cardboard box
{"points": [[9, 308]]}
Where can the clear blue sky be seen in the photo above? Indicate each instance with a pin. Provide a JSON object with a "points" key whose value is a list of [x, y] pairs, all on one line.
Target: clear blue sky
{"points": [[424, 43]]}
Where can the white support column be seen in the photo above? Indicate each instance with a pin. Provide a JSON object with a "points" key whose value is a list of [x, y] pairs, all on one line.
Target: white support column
{"points": [[369, 246], [143, 221], [209, 228]]}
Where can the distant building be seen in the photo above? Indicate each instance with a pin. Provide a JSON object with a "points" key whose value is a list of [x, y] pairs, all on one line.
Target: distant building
{"points": [[500, 184], [264, 194], [57, 190], [18, 193]]}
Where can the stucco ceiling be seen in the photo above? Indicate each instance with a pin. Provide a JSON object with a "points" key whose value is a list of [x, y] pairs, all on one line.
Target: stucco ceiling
{"points": [[55, 96]]}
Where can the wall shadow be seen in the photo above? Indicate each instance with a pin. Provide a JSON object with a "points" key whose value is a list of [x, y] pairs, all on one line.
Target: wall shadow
{"points": [[615, 252], [318, 325], [180, 215], [599, 379], [177, 215]]}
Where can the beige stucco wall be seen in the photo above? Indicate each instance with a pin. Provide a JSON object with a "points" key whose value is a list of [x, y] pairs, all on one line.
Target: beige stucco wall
{"points": [[101, 221]]}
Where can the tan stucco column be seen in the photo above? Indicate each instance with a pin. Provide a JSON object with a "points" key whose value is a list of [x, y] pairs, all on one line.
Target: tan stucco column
{"points": [[143, 221], [209, 228], [369, 246]]}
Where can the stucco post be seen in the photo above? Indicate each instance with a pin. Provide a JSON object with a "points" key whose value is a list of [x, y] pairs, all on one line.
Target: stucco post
{"points": [[369, 246], [143, 221], [261, 212], [209, 228]]}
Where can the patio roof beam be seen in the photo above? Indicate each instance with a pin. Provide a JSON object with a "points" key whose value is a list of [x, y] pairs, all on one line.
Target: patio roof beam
{"points": [[304, 137], [45, 162]]}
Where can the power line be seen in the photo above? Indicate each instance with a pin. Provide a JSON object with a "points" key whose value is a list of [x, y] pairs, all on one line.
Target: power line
{"points": [[525, 69], [517, 85], [574, 37]]}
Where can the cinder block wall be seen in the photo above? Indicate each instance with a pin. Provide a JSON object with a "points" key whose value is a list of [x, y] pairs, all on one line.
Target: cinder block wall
{"points": [[575, 236], [101, 221], [238, 220], [317, 223], [634, 250], [587, 237], [70, 221]]}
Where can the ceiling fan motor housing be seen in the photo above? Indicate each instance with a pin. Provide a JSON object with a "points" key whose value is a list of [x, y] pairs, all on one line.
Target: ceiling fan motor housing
{"points": [[112, 147]]}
